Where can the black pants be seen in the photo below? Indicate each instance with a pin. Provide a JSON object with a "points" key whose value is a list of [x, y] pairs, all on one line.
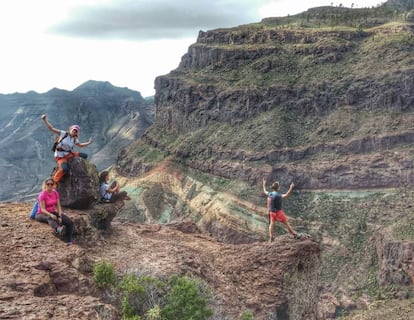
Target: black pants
{"points": [[66, 221]]}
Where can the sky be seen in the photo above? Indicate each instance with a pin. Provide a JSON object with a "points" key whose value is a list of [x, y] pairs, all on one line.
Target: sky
{"points": [[61, 44]]}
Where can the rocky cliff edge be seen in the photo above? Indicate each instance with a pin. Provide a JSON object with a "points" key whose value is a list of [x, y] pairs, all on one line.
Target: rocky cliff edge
{"points": [[41, 277]]}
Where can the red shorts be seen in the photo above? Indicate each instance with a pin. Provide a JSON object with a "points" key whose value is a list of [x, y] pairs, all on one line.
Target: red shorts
{"points": [[278, 216]]}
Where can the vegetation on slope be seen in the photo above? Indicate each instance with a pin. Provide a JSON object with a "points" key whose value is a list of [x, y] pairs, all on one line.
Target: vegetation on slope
{"points": [[347, 75]]}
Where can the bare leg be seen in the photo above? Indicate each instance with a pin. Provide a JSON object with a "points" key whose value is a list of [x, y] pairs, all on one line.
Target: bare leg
{"points": [[293, 233], [271, 229]]}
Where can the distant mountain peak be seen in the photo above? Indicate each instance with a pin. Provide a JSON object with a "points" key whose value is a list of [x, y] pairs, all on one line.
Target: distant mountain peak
{"points": [[56, 90], [94, 84], [103, 87]]}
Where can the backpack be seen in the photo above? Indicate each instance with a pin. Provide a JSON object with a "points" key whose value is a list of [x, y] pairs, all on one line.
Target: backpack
{"points": [[274, 201], [34, 210], [57, 141]]}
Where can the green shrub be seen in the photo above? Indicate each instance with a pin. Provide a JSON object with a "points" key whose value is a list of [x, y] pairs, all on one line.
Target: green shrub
{"points": [[141, 295], [185, 300], [104, 275], [149, 298], [247, 315], [132, 296], [155, 291]]}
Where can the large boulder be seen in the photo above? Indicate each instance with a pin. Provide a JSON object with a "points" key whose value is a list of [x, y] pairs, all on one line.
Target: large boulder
{"points": [[92, 223], [79, 194], [79, 189]]}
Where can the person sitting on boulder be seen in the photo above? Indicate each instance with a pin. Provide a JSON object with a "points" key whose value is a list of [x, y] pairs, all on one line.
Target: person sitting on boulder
{"points": [[111, 193], [274, 206], [50, 211], [64, 148]]}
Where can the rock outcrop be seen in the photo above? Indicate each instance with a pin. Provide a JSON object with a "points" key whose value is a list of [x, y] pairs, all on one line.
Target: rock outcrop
{"points": [[79, 188], [396, 262], [79, 197], [43, 278]]}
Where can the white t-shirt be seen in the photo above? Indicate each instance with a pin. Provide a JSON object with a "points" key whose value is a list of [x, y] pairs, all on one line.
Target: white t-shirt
{"points": [[66, 144]]}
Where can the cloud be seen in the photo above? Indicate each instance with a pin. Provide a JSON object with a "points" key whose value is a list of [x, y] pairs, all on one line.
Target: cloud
{"points": [[154, 19]]}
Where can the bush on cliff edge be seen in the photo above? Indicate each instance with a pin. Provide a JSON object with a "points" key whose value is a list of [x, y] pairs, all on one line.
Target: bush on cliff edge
{"points": [[151, 298]]}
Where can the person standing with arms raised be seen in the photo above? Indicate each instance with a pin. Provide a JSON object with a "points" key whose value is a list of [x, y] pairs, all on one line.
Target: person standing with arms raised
{"points": [[65, 148], [275, 211]]}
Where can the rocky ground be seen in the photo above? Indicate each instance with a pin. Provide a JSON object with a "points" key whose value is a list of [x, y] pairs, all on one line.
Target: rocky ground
{"points": [[41, 277]]}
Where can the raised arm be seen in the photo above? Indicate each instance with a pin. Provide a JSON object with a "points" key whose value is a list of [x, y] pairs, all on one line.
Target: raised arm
{"points": [[289, 192], [49, 125], [84, 144], [264, 187]]}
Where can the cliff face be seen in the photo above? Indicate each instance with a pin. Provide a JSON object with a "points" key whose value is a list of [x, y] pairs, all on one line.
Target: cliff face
{"points": [[359, 115], [324, 99], [327, 106]]}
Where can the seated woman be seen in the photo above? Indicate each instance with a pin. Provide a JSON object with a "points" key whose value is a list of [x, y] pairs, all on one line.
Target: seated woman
{"points": [[111, 193], [50, 211]]}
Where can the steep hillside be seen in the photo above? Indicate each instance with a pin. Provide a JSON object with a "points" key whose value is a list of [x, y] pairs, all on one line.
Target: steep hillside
{"points": [[267, 97], [113, 117], [325, 99]]}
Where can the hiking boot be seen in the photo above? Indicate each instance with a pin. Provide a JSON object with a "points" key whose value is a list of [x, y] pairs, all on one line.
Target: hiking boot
{"points": [[298, 236]]}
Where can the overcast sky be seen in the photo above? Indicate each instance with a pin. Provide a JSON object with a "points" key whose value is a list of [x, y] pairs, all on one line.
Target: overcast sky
{"points": [[63, 43]]}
